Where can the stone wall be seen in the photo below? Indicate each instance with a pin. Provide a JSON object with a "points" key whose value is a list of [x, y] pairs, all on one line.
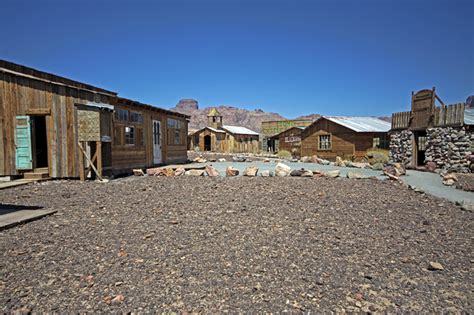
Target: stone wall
{"points": [[401, 149], [450, 148]]}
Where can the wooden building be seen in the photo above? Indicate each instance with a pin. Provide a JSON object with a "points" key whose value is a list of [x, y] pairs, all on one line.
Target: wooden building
{"points": [[270, 143], [347, 137], [216, 137], [433, 133], [290, 140], [56, 127]]}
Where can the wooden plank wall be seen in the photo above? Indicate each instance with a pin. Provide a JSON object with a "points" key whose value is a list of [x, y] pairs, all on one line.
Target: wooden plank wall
{"points": [[400, 120], [24, 96], [176, 153], [344, 142], [294, 147]]}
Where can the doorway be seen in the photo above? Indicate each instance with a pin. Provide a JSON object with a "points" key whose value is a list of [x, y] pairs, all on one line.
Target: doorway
{"points": [[157, 159], [420, 147], [207, 143], [39, 141]]}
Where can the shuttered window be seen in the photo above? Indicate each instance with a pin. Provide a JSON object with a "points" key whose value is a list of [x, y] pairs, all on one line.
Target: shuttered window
{"points": [[324, 142]]}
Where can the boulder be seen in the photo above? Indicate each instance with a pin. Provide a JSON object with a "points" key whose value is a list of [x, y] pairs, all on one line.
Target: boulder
{"points": [[282, 169], [305, 159], [266, 160], [138, 172], [179, 171], [211, 171], [359, 165], [194, 173], [339, 162], [315, 159], [396, 170], [356, 175], [431, 166], [238, 159], [231, 171], [377, 166], [449, 182], [332, 174], [251, 171], [307, 173], [154, 171], [221, 160], [266, 173], [301, 172], [200, 159]]}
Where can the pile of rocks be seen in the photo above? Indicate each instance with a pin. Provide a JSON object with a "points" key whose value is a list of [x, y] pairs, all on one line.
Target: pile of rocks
{"points": [[401, 148], [450, 149]]}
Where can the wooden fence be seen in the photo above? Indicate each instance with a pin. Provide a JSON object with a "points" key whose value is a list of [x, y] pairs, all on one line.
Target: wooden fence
{"points": [[451, 115]]}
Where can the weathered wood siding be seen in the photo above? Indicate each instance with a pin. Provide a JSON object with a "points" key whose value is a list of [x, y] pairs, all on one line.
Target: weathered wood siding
{"points": [[28, 96], [126, 157], [344, 142], [290, 140]]}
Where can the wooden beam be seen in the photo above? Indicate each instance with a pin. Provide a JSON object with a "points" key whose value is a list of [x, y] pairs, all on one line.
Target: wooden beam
{"points": [[91, 163], [38, 111], [98, 153], [81, 164]]}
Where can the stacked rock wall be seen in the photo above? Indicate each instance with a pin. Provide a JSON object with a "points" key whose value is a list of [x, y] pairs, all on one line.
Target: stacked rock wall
{"points": [[401, 149], [450, 148]]}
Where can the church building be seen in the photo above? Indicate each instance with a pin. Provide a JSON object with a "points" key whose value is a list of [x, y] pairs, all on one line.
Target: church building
{"points": [[216, 137]]}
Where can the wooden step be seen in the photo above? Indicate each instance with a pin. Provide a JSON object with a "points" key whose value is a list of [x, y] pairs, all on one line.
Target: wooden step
{"points": [[35, 175], [43, 170]]}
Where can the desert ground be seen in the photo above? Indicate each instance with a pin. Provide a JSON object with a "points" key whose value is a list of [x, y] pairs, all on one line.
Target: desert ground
{"points": [[201, 244]]}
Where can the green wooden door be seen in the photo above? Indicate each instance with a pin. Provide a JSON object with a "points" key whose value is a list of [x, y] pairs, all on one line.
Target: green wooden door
{"points": [[24, 159]]}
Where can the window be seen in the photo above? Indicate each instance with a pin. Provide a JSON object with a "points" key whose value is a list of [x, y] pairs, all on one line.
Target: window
{"points": [[121, 114], [325, 142], [381, 142], [136, 117], [129, 135], [174, 131]]}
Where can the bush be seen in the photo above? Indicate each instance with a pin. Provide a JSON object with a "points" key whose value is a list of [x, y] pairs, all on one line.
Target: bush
{"points": [[375, 156], [283, 154]]}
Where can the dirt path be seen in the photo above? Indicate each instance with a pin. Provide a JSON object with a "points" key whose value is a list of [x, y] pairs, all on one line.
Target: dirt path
{"points": [[236, 244]]}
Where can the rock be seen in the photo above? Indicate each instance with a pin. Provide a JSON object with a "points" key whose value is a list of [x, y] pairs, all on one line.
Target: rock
{"points": [[179, 171], [466, 204], [324, 162], [118, 299], [200, 159], [211, 171], [395, 169], [221, 160], [267, 160], [154, 171], [138, 172], [266, 173], [435, 266], [315, 159], [251, 171], [377, 166], [451, 176], [231, 171], [307, 173], [339, 162], [448, 182], [356, 175], [212, 160], [194, 173], [332, 174], [431, 166], [282, 169], [297, 173], [305, 159], [359, 165], [238, 159]]}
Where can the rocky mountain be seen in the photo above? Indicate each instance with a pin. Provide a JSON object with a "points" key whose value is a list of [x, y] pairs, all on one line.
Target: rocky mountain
{"points": [[251, 119], [470, 101]]}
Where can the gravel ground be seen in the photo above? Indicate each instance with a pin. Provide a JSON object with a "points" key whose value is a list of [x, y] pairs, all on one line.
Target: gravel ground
{"points": [[236, 244]]}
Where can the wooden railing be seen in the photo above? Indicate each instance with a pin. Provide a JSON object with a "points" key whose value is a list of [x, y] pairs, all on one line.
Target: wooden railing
{"points": [[451, 115]]}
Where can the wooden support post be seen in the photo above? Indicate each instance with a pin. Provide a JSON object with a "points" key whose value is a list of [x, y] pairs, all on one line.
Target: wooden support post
{"points": [[98, 152], [81, 163], [91, 163]]}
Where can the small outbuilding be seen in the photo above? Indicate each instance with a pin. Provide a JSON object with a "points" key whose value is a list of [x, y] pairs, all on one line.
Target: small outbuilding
{"points": [[216, 137], [346, 137], [289, 140], [440, 134]]}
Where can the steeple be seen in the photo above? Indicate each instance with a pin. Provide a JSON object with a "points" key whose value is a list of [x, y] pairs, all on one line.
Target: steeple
{"points": [[214, 119]]}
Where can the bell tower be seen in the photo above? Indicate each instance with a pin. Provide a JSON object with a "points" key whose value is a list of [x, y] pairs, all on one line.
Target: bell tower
{"points": [[214, 119]]}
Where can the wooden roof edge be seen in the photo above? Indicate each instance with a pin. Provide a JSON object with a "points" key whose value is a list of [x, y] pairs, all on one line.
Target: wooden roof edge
{"points": [[84, 87], [129, 102]]}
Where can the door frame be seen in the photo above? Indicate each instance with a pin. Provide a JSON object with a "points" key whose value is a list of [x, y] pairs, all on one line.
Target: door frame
{"points": [[157, 160]]}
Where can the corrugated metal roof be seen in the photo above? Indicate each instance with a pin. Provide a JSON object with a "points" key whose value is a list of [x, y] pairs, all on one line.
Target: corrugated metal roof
{"points": [[214, 129], [469, 116], [239, 130], [361, 124]]}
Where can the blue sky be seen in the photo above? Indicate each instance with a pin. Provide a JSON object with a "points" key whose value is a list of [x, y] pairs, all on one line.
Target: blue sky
{"points": [[293, 57]]}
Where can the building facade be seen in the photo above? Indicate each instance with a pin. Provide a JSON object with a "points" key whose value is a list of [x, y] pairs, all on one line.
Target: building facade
{"points": [[270, 143], [290, 141], [346, 137], [64, 128], [440, 134], [217, 137]]}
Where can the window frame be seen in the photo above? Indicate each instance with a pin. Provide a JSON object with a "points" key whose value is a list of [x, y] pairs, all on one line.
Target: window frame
{"points": [[127, 136], [329, 142]]}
